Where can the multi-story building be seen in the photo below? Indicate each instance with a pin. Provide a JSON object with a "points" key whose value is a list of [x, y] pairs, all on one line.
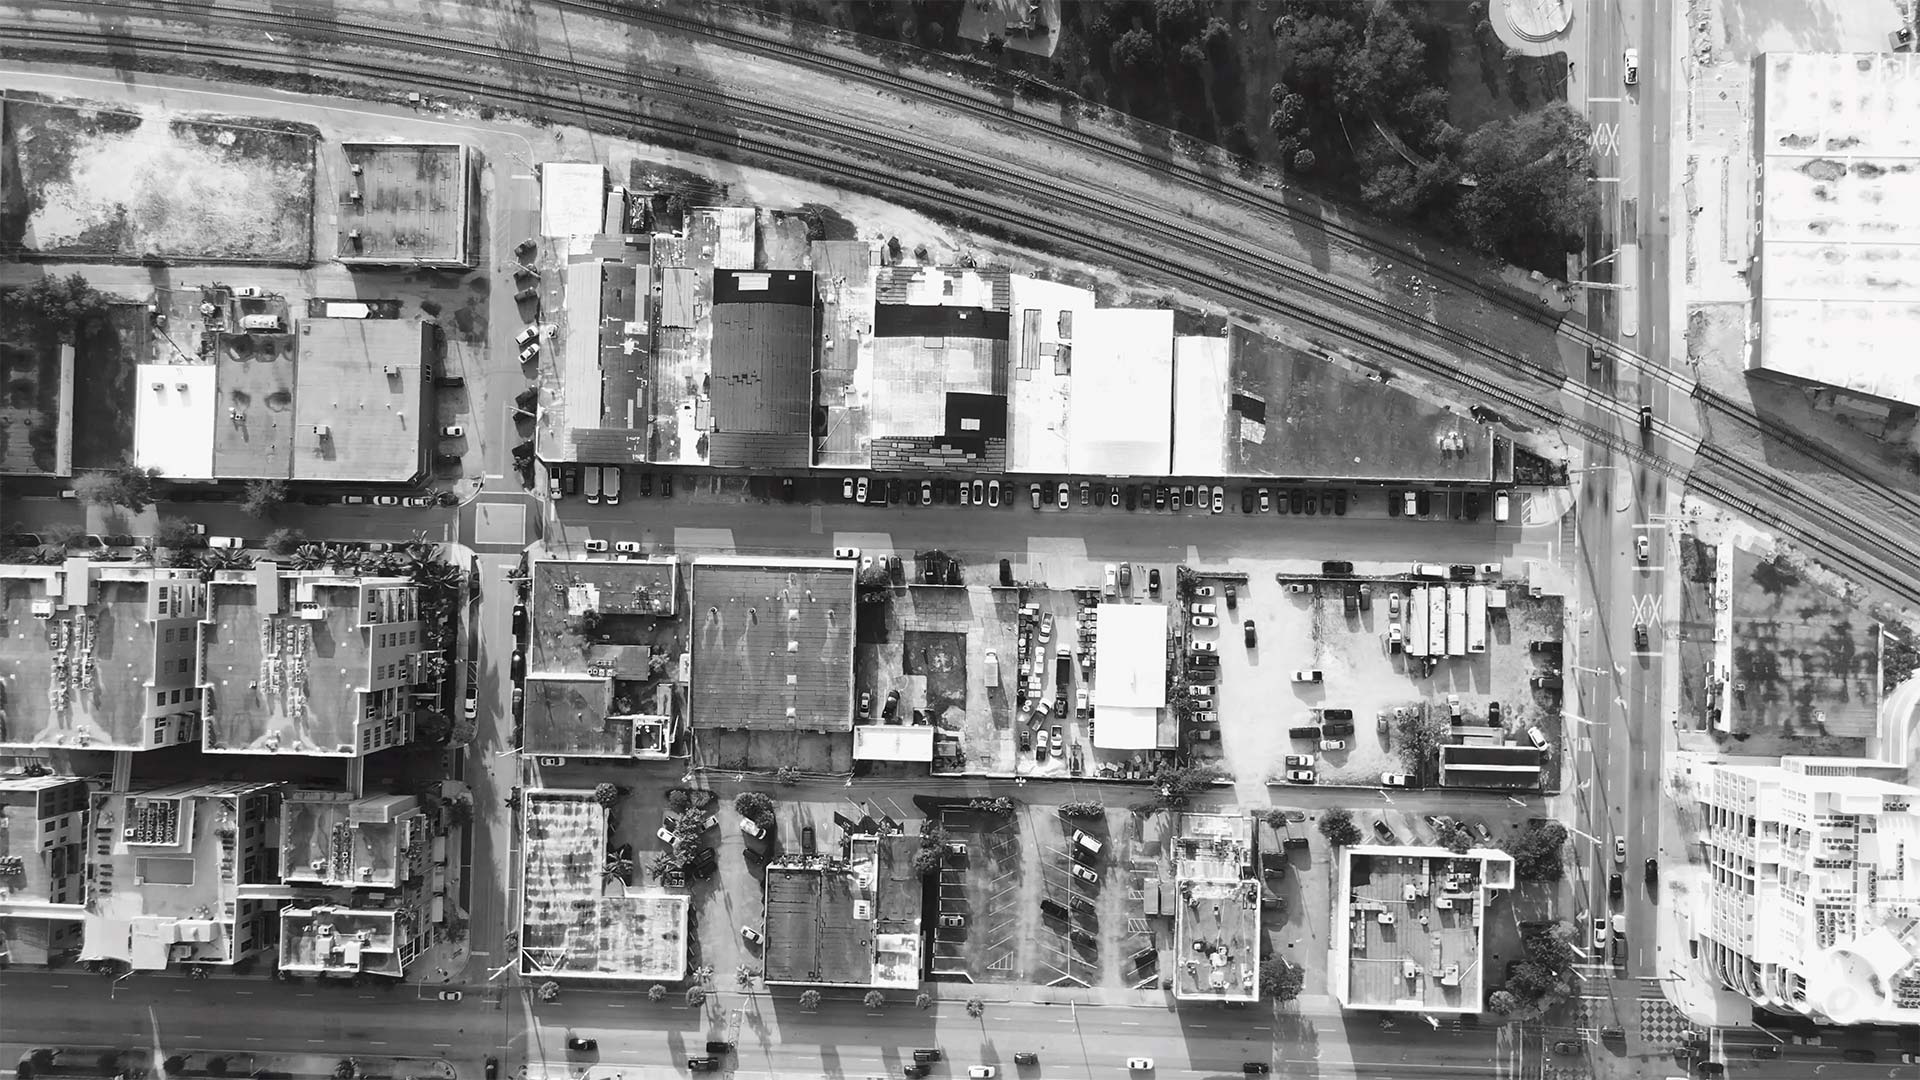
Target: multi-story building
{"points": [[312, 662], [358, 873], [184, 874], [100, 655], [43, 832], [1814, 888]]}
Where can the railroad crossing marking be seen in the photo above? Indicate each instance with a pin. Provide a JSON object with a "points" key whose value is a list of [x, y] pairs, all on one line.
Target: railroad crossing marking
{"points": [[1606, 139]]}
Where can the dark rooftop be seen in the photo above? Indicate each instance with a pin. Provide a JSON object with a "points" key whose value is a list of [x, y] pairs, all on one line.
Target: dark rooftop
{"points": [[253, 418], [762, 356], [412, 206], [769, 639]]}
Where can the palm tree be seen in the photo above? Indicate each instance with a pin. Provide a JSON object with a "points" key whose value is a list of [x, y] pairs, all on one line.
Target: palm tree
{"points": [[225, 559], [143, 553], [809, 999], [308, 556], [620, 866]]}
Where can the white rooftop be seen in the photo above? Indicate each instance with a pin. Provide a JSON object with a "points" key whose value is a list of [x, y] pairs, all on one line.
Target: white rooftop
{"points": [[1839, 244], [173, 418], [573, 198], [1120, 420]]}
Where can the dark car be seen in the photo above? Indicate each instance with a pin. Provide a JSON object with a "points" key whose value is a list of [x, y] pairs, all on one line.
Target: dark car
{"points": [[585, 1046], [1473, 506], [786, 489], [1856, 1054], [493, 1068], [915, 1071], [1422, 503], [1615, 887], [953, 492], [1312, 504], [1006, 572], [646, 485], [893, 491], [924, 1056], [1646, 424], [1296, 502], [1385, 833], [1060, 706], [1765, 1052], [1026, 1057], [807, 839], [1252, 636], [1153, 581], [1255, 1068], [1639, 635], [1246, 500], [1565, 1046], [1336, 568], [719, 1046], [666, 485], [1653, 872], [703, 1064], [1326, 502], [1393, 504]]}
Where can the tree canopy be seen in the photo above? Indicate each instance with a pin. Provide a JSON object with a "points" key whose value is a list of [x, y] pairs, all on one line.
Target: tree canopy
{"points": [[1529, 182], [1536, 851], [126, 484], [61, 304], [1338, 827]]}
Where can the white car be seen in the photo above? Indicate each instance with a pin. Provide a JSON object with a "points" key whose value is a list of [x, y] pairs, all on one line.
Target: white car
{"points": [[1641, 547], [1203, 646], [981, 1071], [1203, 609], [596, 545], [1600, 929], [453, 431], [1061, 497], [528, 353], [966, 494], [926, 492], [1333, 744], [860, 491], [1206, 716], [527, 336], [1204, 590], [1394, 779], [1630, 66], [846, 488], [627, 547], [1204, 621], [1311, 676], [1140, 1063], [1200, 693], [1300, 776], [846, 553], [1083, 873], [993, 493], [1299, 761], [1219, 499]]}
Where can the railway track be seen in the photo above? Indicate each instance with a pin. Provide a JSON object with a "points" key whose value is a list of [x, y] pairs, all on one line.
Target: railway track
{"points": [[1245, 288]]}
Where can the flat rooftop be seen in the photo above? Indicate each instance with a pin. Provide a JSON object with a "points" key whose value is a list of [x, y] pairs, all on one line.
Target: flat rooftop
{"points": [[569, 717], [1292, 414], [258, 705], [340, 941], [1406, 929], [112, 712], [1217, 941], [571, 925], [1839, 268], [772, 644], [840, 924], [253, 415], [412, 207], [762, 374], [330, 837], [626, 596], [1805, 663], [358, 405]]}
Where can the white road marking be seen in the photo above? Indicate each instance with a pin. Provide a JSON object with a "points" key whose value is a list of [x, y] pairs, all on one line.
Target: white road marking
{"points": [[1593, 99], [615, 1005], [244, 993]]}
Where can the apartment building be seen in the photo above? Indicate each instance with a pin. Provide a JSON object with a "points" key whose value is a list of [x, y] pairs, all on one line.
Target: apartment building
{"points": [[43, 823], [100, 656], [1814, 902]]}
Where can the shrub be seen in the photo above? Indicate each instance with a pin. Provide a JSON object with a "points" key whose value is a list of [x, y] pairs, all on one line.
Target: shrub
{"points": [[787, 775], [925, 1001], [679, 801], [607, 795], [263, 497], [874, 1000], [696, 997], [656, 993], [976, 1008], [1086, 809], [810, 1000], [549, 990], [1281, 981]]}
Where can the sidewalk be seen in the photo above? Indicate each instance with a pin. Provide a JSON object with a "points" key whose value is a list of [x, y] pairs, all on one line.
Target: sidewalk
{"points": [[1684, 979]]}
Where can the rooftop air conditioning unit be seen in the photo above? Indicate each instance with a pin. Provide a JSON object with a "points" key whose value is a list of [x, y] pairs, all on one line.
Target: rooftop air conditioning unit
{"points": [[180, 387], [159, 386], [322, 431], [355, 167]]}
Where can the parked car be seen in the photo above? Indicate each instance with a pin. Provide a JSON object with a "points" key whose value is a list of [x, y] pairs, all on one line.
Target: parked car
{"points": [[1252, 636], [1385, 832], [1140, 1064], [1333, 744], [1083, 873], [1061, 496], [1298, 761], [1653, 872], [1311, 675], [1394, 779], [1300, 776], [1205, 621], [1219, 499], [1026, 1057]]}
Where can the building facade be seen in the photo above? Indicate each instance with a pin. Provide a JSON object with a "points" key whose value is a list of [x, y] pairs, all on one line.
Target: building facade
{"points": [[1814, 879]]}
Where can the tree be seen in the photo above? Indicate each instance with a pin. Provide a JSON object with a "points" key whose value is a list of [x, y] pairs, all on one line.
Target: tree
{"points": [[1502, 1002], [679, 800], [1530, 193], [696, 997], [1303, 161], [924, 1001], [109, 1063], [126, 484], [60, 303], [1001, 807], [1281, 981], [1177, 18], [1387, 66], [608, 794], [809, 1000], [1180, 781], [345, 1069], [1134, 53], [875, 583], [932, 850], [1536, 851], [284, 541], [787, 775], [656, 993], [1288, 108], [1274, 817], [549, 990], [263, 498], [1338, 827], [431, 727], [1454, 837], [1316, 46], [976, 1008], [216, 1066], [874, 1000], [61, 534], [757, 805]]}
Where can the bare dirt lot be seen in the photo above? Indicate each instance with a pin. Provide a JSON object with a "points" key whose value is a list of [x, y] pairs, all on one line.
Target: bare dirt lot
{"points": [[100, 183]]}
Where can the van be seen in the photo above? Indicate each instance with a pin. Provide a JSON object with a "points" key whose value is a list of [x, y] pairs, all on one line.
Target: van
{"points": [[593, 484], [1113, 579], [610, 484], [1430, 571], [1500, 505], [269, 323], [1088, 843]]}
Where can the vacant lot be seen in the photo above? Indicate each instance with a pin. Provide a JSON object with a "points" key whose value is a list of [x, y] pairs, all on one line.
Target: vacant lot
{"points": [[104, 184]]}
